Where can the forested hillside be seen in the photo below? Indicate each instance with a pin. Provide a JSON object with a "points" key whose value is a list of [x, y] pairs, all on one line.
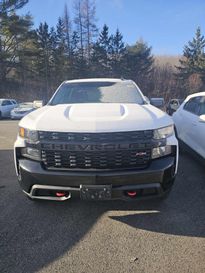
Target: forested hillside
{"points": [[33, 62]]}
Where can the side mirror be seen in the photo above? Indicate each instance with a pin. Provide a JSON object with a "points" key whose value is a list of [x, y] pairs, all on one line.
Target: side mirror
{"points": [[37, 103], [202, 118], [157, 102]]}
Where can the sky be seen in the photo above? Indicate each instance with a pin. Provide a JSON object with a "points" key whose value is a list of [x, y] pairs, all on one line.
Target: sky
{"points": [[166, 25]]}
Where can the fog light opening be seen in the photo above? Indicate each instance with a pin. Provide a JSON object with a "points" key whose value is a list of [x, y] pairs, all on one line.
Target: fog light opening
{"points": [[60, 194], [131, 193]]}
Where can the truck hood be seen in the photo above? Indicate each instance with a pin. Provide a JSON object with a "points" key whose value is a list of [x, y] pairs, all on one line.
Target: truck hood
{"points": [[104, 117]]}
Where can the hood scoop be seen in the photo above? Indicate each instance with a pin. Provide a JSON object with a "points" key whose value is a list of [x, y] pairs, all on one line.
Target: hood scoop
{"points": [[95, 112]]}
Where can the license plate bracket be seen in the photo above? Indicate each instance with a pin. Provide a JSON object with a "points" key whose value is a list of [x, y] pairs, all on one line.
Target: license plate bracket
{"points": [[95, 192]]}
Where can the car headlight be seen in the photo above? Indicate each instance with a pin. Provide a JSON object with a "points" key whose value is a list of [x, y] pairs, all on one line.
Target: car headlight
{"points": [[164, 132], [161, 151], [30, 151], [30, 135]]}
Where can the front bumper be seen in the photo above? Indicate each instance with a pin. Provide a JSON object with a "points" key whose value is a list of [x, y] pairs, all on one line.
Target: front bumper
{"points": [[153, 181]]}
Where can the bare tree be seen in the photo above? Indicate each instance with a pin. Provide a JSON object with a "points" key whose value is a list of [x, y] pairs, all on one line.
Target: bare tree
{"points": [[68, 29], [78, 20], [89, 14], [85, 19]]}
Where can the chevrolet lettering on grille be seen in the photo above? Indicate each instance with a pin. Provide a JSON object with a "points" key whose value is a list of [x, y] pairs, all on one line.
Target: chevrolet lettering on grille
{"points": [[91, 147]]}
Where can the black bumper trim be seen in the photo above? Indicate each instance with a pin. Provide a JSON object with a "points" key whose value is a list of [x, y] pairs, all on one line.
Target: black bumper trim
{"points": [[161, 171], [143, 191]]}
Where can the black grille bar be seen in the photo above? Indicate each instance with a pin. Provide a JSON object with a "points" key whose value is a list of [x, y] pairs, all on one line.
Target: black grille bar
{"points": [[96, 137]]}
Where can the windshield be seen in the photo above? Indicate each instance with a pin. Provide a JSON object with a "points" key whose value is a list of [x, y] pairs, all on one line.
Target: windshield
{"points": [[97, 92]]}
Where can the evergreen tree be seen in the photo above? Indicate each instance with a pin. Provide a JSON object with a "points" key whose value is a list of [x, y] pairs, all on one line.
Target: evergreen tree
{"points": [[100, 54], [61, 61], [11, 5], [117, 52], [27, 52], [139, 61], [75, 57], [97, 68], [44, 56], [193, 60], [14, 34], [105, 39], [191, 71]]}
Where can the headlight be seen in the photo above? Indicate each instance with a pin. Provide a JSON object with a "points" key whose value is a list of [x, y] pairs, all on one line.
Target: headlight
{"points": [[161, 151], [30, 135], [164, 132]]}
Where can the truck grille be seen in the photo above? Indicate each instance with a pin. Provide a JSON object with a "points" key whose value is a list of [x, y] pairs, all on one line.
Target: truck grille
{"points": [[96, 160], [63, 158]]}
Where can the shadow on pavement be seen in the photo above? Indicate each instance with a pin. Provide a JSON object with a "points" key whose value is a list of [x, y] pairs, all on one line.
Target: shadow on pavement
{"points": [[32, 235], [183, 212]]}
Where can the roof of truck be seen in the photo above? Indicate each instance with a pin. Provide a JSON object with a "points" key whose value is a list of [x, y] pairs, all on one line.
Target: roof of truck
{"points": [[97, 80]]}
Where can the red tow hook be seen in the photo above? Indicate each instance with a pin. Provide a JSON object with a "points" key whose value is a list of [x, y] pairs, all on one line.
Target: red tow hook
{"points": [[132, 193], [60, 194]]}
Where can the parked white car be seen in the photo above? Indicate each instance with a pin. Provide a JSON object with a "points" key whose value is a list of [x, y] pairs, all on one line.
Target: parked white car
{"points": [[22, 109], [6, 105], [190, 122]]}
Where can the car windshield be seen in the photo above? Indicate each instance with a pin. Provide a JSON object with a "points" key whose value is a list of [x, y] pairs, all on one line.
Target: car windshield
{"points": [[97, 92]]}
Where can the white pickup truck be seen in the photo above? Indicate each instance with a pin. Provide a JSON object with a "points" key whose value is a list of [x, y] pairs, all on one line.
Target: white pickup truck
{"points": [[99, 139]]}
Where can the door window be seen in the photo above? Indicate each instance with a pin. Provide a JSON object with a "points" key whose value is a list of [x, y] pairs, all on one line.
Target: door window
{"points": [[202, 107], [193, 105], [6, 102]]}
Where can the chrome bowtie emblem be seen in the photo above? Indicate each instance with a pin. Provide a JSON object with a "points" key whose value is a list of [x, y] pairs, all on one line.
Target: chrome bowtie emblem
{"points": [[85, 138]]}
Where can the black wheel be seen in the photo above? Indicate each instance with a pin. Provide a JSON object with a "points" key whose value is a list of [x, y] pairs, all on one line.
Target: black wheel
{"points": [[0, 115]]}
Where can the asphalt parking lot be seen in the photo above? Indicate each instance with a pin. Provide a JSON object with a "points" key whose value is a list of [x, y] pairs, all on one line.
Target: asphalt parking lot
{"points": [[77, 236]]}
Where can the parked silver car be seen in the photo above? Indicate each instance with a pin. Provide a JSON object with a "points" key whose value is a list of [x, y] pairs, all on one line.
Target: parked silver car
{"points": [[6, 105], [22, 109]]}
